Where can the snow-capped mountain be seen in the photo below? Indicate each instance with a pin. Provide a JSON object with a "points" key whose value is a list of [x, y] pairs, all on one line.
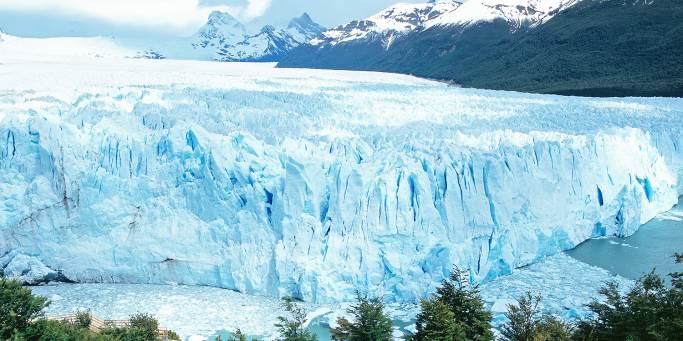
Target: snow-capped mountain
{"points": [[402, 19], [224, 38], [221, 28], [403, 35], [548, 46], [385, 25]]}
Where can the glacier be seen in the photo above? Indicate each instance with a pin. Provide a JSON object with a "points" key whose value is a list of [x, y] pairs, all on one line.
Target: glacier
{"points": [[310, 183]]}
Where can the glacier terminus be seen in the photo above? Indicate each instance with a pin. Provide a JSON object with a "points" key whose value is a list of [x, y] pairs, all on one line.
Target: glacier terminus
{"points": [[310, 183]]}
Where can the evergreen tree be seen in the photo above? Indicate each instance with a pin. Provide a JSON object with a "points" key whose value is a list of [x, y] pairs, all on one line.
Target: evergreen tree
{"points": [[525, 322], [651, 310], [464, 301], [370, 323], [293, 329], [523, 319], [436, 322], [550, 328]]}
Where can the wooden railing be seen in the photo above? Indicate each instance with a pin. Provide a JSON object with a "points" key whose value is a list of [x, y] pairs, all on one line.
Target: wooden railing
{"points": [[97, 324]]}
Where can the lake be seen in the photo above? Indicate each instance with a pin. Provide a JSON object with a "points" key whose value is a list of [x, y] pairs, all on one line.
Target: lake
{"points": [[652, 246]]}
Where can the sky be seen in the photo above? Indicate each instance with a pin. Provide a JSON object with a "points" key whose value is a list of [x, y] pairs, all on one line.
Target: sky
{"points": [[46, 18]]}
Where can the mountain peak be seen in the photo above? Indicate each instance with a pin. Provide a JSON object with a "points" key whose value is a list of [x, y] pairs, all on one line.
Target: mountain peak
{"points": [[304, 18], [306, 23], [221, 18]]}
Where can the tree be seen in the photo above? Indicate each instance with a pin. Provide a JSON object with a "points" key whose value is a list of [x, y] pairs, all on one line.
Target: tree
{"points": [[293, 328], [18, 307], [550, 328], [370, 323], [144, 327], [523, 318], [464, 301], [526, 323], [650, 310], [435, 322]]}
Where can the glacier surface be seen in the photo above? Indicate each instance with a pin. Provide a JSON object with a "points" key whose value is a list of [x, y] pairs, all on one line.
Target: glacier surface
{"points": [[311, 183]]}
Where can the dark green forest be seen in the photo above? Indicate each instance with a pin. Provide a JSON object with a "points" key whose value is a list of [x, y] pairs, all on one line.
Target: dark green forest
{"points": [[595, 48]]}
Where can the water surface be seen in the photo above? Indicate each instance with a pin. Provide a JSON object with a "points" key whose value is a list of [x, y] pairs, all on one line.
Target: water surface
{"points": [[652, 246]]}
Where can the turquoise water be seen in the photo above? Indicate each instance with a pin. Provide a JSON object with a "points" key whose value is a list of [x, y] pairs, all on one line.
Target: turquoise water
{"points": [[323, 333], [652, 246]]}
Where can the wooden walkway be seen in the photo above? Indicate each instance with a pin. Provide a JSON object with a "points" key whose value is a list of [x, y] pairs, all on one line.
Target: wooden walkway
{"points": [[97, 324]]}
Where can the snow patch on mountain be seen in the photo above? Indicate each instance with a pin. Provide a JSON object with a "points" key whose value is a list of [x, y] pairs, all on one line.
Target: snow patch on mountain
{"points": [[517, 12]]}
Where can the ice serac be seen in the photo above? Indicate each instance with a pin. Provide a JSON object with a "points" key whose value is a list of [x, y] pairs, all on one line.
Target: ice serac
{"points": [[313, 183]]}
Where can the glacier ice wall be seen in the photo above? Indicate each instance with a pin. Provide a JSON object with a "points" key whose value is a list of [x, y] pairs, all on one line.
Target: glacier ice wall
{"points": [[318, 184]]}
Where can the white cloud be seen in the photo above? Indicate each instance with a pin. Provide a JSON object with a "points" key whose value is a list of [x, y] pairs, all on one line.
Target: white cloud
{"points": [[256, 8], [174, 14]]}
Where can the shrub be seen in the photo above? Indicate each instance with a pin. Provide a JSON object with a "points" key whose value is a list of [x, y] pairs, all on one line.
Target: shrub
{"points": [[172, 335], [83, 319], [143, 327], [43, 330], [18, 307]]}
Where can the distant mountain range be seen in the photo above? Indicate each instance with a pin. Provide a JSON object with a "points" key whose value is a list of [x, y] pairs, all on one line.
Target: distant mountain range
{"points": [[223, 38], [578, 47]]}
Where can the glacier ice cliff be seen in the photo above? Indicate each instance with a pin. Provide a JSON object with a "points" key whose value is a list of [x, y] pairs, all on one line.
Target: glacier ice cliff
{"points": [[312, 183]]}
